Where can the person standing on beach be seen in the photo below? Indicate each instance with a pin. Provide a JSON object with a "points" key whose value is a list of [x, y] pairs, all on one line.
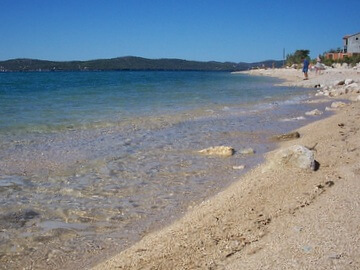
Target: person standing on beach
{"points": [[305, 68], [318, 66]]}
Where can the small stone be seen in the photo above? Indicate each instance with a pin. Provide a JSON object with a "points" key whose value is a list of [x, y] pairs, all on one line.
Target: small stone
{"points": [[218, 151], [287, 136], [342, 82], [314, 112], [349, 81], [247, 151], [335, 256], [338, 104]]}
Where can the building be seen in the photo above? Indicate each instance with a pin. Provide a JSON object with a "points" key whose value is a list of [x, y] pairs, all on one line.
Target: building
{"points": [[352, 43], [351, 47]]}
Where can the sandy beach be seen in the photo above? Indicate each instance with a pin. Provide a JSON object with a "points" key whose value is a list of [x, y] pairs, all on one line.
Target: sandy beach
{"points": [[279, 215]]}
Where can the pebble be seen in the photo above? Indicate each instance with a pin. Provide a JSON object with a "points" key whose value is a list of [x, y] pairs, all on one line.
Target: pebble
{"points": [[307, 249], [240, 167], [335, 256]]}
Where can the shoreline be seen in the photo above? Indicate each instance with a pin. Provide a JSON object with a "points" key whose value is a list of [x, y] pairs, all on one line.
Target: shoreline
{"points": [[161, 173], [265, 219]]}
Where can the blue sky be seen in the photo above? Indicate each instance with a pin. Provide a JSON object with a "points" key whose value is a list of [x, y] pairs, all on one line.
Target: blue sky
{"points": [[223, 30]]}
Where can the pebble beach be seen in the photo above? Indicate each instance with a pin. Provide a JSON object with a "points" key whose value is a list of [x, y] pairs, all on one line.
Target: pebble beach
{"points": [[296, 210]]}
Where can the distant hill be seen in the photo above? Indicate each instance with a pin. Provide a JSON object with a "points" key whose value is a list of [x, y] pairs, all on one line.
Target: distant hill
{"points": [[128, 63]]}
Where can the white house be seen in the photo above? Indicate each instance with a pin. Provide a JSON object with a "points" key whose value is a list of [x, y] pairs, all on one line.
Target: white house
{"points": [[352, 43]]}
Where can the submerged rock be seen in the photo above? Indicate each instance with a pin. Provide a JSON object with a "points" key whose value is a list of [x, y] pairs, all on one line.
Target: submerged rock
{"points": [[17, 219], [247, 151], [314, 112], [287, 136], [329, 109], [218, 151]]}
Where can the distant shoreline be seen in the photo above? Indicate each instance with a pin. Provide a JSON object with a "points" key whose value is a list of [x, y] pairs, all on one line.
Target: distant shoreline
{"points": [[111, 70], [129, 63]]}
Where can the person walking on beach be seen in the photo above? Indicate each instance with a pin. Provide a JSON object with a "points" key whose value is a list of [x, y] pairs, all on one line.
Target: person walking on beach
{"points": [[305, 68]]}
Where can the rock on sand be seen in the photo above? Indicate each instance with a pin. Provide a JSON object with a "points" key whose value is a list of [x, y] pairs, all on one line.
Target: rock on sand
{"points": [[295, 156], [338, 104]]}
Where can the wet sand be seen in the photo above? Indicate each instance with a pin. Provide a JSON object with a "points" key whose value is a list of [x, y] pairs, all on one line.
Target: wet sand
{"points": [[278, 218]]}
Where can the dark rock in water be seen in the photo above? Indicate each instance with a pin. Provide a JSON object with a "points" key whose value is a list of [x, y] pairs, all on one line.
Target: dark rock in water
{"points": [[17, 219], [287, 136]]}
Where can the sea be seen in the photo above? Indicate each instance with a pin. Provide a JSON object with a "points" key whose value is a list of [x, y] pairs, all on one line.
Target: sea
{"points": [[90, 162]]}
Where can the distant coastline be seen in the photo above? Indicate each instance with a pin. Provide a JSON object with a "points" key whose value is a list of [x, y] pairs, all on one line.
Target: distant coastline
{"points": [[128, 63]]}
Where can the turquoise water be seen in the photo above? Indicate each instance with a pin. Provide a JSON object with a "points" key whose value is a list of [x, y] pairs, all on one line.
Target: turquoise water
{"points": [[51, 101], [91, 161]]}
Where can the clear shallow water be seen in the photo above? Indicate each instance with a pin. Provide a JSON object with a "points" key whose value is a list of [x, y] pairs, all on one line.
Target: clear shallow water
{"points": [[52, 101], [89, 162]]}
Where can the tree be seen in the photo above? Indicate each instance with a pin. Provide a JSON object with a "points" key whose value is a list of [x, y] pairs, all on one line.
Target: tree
{"points": [[297, 57]]}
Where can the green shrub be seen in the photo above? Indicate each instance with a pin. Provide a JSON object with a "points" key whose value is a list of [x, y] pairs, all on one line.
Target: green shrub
{"points": [[297, 57]]}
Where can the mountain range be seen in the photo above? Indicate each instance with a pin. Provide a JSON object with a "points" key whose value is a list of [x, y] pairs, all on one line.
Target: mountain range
{"points": [[129, 63]]}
